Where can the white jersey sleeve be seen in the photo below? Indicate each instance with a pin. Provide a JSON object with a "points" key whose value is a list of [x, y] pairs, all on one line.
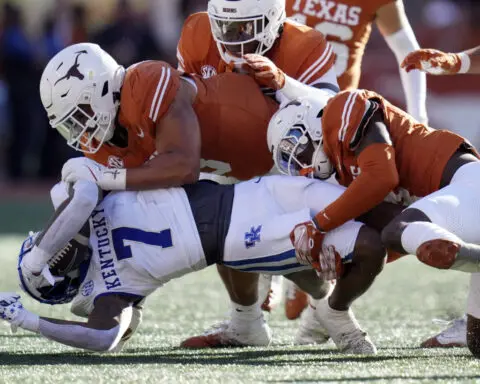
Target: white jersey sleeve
{"points": [[266, 209], [73, 206]]}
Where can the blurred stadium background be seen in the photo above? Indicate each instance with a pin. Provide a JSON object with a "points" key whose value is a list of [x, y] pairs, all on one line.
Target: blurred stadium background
{"points": [[32, 31]]}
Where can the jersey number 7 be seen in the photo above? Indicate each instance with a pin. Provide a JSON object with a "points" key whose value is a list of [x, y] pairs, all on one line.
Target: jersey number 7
{"points": [[161, 239]]}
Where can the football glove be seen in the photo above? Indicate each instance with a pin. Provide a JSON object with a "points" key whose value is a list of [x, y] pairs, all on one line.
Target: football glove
{"points": [[12, 311], [264, 71], [307, 240], [82, 168], [433, 62], [10, 308]]}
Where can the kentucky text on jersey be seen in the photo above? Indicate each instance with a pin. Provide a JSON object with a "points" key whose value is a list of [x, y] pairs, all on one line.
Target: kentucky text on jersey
{"points": [[105, 254]]}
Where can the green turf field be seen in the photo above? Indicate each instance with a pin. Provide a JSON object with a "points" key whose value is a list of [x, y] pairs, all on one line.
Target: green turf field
{"points": [[397, 312]]}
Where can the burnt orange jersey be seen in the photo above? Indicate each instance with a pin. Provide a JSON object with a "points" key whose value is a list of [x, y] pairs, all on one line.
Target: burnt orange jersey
{"points": [[147, 91], [346, 24], [301, 52], [232, 112], [421, 153]]}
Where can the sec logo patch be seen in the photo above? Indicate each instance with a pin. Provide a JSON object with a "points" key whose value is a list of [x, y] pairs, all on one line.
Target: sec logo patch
{"points": [[208, 71]]}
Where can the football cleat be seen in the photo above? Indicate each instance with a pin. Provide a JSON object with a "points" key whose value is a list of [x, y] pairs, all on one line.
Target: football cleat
{"points": [[310, 331], [296, 301], [226, 334], [453, 336], [343, 328]]}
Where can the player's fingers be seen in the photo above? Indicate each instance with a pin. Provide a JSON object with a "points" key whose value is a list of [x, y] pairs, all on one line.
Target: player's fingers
{"points": [[409, 68]]}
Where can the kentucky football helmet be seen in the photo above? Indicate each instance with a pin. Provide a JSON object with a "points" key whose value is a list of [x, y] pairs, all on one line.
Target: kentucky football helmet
{"points": [[295, 138], [245, 26], [66, 287], [80, 90]]}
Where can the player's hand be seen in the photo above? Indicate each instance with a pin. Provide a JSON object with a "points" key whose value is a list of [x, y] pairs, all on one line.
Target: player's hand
{"points": [[433, 62], [10, 308], [308, 242], [264, 71], [82, 168], [41, 279]]}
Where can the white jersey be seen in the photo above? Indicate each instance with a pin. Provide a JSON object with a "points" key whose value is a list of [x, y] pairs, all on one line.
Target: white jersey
{"points": [[266, 209], [140, 241]]}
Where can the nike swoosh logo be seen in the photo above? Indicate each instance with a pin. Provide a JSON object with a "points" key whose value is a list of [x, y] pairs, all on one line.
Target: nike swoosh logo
{"points": [[140, 133]]}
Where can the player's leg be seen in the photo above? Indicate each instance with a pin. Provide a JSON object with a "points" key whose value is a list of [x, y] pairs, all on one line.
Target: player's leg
{"points": [[367, 257], [440, 229]]}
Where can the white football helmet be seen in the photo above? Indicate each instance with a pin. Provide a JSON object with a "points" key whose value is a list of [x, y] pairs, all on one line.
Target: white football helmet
{"points": [[245, 26], [80, 90], [295, 138]]}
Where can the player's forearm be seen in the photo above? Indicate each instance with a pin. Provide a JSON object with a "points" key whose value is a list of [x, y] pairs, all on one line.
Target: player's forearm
{"points": [[164, 171], [376, 180], [72, 333], [69, 218], [414, 83], [79, 335]]}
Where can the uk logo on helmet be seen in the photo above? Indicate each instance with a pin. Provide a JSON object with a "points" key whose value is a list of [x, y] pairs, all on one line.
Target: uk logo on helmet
{"points": [[115, 162], [208, 71]]}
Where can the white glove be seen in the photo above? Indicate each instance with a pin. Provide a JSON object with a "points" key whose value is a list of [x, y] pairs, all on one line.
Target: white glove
{"points": [[38, 280], [11, 310], [82, 168]]}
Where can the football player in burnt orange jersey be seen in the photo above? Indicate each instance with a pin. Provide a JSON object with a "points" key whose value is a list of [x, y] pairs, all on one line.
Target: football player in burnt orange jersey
{"points": [[379, 151], [216, 41], [150, 124], [129, 115], [436, 62], [347, 26]]}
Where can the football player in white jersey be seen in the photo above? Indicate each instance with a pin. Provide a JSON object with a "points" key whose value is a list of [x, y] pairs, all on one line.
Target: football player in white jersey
{"points": [[190, 227]]}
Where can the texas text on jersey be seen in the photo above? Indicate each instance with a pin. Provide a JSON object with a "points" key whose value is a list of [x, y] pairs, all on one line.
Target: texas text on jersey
{"points": [[232, 113], [346, 25], [301, 52]]}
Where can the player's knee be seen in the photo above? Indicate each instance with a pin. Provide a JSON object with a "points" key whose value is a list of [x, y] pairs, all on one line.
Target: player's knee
{"points": [[392, 233], [473, 336], [369, 251]]}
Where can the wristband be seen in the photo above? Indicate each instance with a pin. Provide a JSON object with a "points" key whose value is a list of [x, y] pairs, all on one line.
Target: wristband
{"points": [[464, 62], [27, 320], [113, 180]]}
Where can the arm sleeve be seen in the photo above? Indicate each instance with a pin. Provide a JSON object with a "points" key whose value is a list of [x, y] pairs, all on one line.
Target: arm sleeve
{"points": [[318, 64], [414, 82], [74, 205], [378, 177], [81, 336]]}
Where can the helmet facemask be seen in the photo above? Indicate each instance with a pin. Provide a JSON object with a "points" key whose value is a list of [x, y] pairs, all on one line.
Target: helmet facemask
{"points": [[298, 154], [237, 36], [296, 141], [84, 129]]}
